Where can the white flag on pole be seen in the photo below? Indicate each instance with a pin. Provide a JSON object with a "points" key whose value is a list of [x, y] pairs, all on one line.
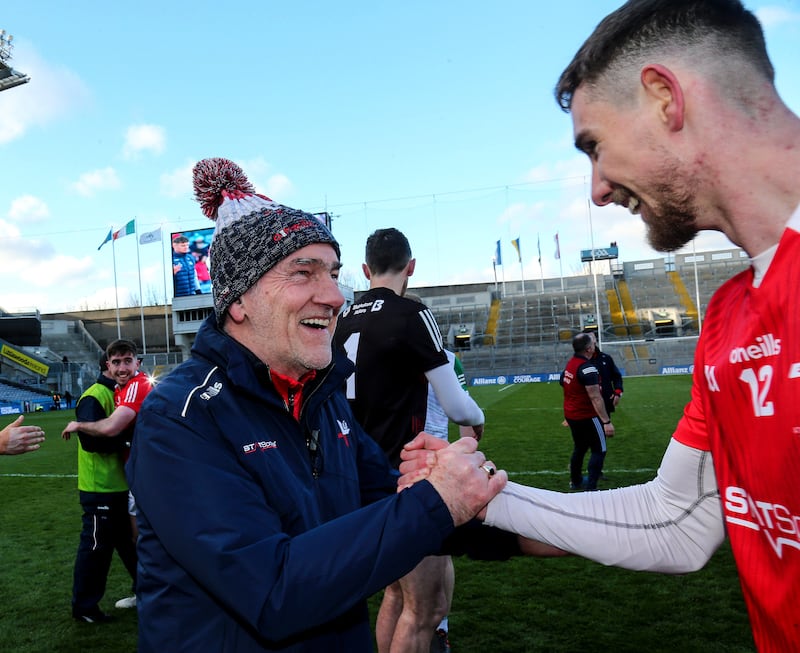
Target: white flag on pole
{"points": [[150, 237]]}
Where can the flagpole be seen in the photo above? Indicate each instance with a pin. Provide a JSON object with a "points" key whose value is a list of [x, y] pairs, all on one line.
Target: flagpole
{"points": [[697, 292], [164, 275], [516, 245], [598, 317], [560, 264], [541, 271], [141, 296], [116, 291]]}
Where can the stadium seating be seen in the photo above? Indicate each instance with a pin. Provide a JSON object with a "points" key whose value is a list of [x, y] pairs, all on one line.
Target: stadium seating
{"points": [[647, 310], [13, 395]]}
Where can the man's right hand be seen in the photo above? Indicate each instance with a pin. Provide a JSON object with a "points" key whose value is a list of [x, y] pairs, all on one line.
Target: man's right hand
{"points": [[458, 473]]}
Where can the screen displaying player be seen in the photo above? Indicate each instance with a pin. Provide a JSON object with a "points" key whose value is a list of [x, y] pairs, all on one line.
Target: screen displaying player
{"points": [[191, 264]]}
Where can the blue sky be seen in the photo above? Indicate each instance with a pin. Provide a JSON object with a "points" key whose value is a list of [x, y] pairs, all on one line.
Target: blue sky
{"points": [[436, 118]]}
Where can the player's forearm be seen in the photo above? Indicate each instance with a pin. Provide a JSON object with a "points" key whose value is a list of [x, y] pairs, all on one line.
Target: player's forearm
{"points": [[672, 524], [467, 413], [108, 426], [600, 408], [96, 429], [457, 404]]}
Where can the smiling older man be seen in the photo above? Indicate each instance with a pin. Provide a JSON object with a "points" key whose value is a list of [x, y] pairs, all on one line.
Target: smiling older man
{"points": [[266, 515]]}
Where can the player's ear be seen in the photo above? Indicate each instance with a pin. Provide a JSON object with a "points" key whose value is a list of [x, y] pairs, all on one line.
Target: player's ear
{"points": [[662, 87], [410, 267], [365, 270]]}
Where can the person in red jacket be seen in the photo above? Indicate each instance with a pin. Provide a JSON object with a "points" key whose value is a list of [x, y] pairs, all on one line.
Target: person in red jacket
{"points": [[585, 412]]}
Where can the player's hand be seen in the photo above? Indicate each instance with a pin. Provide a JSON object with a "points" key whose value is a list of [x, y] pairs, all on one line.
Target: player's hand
{"points": [[477, 431], [69, 429], [418, 457], [16, 438]]}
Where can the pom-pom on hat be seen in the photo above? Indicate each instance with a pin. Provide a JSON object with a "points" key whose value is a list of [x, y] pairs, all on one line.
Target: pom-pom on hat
{"points": [[252, 233]]}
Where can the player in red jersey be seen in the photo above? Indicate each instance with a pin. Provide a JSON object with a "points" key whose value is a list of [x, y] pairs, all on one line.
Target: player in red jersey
{"points": [[132, 387], [675, 105]]}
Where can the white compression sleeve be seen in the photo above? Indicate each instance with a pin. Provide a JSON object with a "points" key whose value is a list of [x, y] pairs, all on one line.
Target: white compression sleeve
{"points": [[457, 404], [672, 524]]}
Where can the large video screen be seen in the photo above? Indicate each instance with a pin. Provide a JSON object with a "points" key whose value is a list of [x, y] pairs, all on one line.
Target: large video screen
{"points": [[191, 264]]}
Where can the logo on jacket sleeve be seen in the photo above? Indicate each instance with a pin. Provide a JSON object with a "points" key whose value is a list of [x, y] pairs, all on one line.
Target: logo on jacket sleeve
{"points": [[344, 431]]}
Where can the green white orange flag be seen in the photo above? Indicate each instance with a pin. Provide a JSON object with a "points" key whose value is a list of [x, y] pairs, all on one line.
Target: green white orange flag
{"points": [[127, 230]]}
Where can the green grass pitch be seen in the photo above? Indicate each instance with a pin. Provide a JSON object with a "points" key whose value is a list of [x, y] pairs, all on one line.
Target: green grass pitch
{"points": [[523, 605]]}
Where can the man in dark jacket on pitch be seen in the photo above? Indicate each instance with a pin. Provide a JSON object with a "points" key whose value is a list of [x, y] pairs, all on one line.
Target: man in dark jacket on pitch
{"points": [[266, 515], [610, 377]]}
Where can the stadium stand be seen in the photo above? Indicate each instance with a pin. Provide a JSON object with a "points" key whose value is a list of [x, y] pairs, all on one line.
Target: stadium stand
{"points": [[646, 312], [22, 399]]}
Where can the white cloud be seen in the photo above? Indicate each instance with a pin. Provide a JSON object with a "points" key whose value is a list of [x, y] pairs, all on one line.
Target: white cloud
{"points": [[96, 180], [773, 15], [279, 186], [102, 298], [144, 138], [65, 270], [276, 186], [520, 215], [178, 183], [575, 170], [7, 231], [49, 280], [35, 263], [52, 93], [28, 209]]}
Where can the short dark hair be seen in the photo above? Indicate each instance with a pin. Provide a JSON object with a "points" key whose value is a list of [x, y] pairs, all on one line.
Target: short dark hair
{"points": [[104, 362], [121, 346], [581, 342], [649, 26], [180, 238], [387, 251]]}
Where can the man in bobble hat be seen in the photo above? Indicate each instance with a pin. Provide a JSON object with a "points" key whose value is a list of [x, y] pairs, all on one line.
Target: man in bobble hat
{"points": [[266, 515]]}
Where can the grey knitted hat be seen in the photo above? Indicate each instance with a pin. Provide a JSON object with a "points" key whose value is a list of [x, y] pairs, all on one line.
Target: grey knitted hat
{"points": [[252, 232]]}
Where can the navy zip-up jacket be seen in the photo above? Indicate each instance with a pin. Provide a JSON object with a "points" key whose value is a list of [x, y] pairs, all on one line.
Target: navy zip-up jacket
{"points": [[248, 539]]}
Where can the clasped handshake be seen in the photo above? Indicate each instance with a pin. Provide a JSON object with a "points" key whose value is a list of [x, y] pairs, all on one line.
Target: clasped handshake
{"points": [[460, 473]]}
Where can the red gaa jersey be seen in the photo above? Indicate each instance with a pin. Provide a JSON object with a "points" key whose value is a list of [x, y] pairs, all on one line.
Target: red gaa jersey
{"points": [[132, 395], [745, 409]]}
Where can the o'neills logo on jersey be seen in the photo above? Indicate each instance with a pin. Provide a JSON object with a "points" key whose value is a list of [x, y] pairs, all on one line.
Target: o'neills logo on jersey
{"points": [[764, 347]]}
